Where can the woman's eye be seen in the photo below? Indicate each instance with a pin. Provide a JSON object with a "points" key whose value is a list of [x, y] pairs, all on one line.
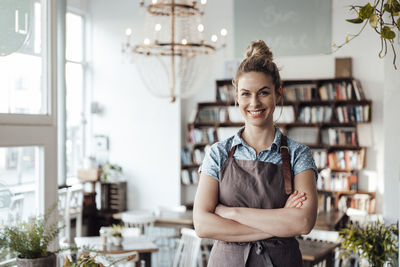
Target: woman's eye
{"points": [[264, 93], [245, 94]]}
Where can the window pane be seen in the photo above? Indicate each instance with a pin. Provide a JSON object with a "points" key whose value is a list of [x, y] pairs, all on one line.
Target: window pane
{"points": [[74, 37], [75, 117], [21, 65], [19, 173]]}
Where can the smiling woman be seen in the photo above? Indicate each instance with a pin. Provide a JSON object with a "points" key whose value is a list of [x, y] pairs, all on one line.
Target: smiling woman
{"points": [[257, 189]]}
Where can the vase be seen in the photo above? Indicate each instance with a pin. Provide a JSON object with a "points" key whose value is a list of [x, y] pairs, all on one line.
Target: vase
{"points": [[49, 261]]}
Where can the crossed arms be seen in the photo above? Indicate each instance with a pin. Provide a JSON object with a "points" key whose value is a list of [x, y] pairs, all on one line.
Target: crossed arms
{"points": [[237, 224]]}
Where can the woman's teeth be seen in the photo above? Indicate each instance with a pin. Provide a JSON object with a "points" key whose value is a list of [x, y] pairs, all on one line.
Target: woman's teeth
{"points": [[256, 113]]}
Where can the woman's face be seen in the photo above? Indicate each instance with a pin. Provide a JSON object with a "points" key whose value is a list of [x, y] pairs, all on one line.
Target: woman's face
{"points": [[257, 98]]}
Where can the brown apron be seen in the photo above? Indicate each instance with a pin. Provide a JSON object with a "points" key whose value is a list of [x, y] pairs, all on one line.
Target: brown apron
{"points": [[261, 185]]}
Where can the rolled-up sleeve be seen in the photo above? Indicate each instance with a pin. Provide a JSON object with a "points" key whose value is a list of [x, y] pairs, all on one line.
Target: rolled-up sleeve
{"points": [[212, 162], [303, 160]]}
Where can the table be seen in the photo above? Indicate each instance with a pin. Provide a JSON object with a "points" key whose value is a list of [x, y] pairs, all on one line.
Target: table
{"points": [[314, 252], [170, 219], [140, 244], [329, 220]]}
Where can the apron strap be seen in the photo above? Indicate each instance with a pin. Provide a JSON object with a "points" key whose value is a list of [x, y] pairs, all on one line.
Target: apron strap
{"points": [[287, 172], [230, 155]]}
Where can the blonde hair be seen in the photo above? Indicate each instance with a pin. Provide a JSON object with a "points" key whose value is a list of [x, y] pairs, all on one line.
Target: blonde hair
{"points": [[259, 58]]}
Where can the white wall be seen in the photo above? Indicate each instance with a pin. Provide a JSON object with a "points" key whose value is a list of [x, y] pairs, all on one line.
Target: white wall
{"points": [[391, 128], [144, 132]]}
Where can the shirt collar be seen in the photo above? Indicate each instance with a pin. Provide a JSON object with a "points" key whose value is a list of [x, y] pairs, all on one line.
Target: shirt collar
{"points": [[237, 139]]}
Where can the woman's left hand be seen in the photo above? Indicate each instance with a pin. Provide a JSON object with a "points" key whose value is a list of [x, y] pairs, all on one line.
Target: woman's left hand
{"points": [[224, 211]]}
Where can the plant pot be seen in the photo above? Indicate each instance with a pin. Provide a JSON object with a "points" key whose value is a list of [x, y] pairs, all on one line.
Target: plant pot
{"points": [[49, 261]]}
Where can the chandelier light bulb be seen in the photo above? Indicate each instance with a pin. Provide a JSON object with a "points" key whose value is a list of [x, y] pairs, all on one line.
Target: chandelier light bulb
{"points": [[154, 2], [203, 2], [157, 28], [128, 32], [184, 41], [200, 27], [224, 32], [214, 38], [146, 41]]}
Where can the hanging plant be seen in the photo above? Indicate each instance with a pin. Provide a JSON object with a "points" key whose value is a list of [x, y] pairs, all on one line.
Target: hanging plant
{"points": [[384, 17]]}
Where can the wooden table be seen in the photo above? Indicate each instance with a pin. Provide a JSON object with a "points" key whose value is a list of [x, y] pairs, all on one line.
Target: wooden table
{"points": [[142, 245], [314, 252], [329, 220]]}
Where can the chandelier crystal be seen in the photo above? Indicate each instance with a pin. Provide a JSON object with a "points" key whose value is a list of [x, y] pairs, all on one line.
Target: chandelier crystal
{"points": [[173, 58]]}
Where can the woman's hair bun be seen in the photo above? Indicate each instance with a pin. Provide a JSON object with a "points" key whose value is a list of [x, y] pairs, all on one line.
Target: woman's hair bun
{"points": [[258, 49]]}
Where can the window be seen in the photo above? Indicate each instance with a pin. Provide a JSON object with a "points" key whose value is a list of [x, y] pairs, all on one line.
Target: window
{"points": [[28, 125], [75, 92], [22, 90]]}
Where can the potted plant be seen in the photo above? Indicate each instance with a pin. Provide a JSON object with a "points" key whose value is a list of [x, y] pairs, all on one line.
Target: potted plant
{"points": [[374, 241], [110, 172], [384, 17], [29, 240], [116, 234]]}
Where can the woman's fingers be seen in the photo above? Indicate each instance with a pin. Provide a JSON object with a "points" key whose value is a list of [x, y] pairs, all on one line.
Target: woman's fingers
{"points": [[295, 200]]}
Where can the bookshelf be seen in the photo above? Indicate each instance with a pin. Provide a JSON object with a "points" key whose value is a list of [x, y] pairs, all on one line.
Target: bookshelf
{"points": [[321, 113]]}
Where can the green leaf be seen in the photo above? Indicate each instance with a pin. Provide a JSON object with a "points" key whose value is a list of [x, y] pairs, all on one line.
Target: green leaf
{"points": [[357, 20], [387, 33], [366, 11], [398, 23], [373, 20]]}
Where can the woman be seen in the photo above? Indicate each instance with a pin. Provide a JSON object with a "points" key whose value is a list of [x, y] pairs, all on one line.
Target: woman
{"points": [[248, 196]]}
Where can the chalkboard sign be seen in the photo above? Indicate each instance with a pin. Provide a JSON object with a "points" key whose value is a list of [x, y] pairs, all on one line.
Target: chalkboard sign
{"points": [[289, 27]]}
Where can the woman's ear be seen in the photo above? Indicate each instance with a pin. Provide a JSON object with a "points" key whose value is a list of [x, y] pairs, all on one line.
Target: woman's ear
{"points": [[279, 94]]}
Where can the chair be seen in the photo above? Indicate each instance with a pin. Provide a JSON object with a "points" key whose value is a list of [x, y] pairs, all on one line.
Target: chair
{"points": [[167, 238], [16, 209], [325, 236], [75, 208], [70, 206], [187, 254], [143, 220], [62, 210]]}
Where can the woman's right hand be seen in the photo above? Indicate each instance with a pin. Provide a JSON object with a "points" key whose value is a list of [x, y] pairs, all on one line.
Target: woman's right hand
{"points": [[295, 200]]}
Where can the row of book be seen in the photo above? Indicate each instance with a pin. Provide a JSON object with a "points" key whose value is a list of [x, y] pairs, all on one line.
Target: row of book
{"points": [[339, 136], [346, 159], [211, 114], [353, 113], [306, 92], [196, 157], [302, 92], [226, 93], [320, 157], [338, 181], [315, 114], [202, 135], [362, 202], [189, 176]]}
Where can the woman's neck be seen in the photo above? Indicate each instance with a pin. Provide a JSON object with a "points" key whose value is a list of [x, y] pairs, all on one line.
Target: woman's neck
{"points": [[259, 138]]}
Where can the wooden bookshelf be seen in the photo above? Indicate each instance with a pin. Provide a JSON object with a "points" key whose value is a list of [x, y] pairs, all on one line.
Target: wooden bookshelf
{"points": [[343, 98]]}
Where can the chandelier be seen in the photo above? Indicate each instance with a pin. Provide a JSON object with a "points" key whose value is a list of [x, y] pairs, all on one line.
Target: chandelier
{"points": [[173, 57]]}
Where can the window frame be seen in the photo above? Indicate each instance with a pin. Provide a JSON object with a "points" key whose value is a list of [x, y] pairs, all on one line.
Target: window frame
{"points": [[41, 129], [85, 91]]}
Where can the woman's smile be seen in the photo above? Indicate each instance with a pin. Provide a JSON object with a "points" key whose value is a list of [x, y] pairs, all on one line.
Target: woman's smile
{"points": [[256, 113]]}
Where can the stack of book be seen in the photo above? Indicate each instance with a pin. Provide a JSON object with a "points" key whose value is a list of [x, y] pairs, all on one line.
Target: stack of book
{"points": [[346, 160], [339, 136]]}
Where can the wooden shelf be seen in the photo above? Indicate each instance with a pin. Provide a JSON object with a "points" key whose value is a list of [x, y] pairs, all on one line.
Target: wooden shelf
{"points": [[346, 192], [190, 166]]}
